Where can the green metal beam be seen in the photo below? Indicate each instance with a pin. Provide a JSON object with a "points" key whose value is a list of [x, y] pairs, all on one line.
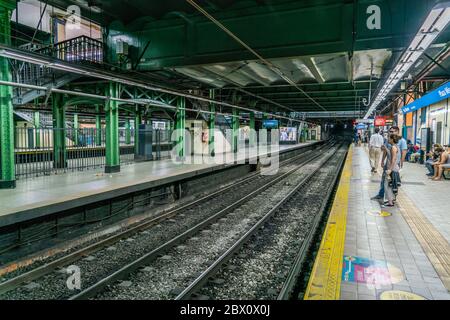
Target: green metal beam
{"points": [[76, 127], [235, 128], [252, 136], [37, 126], [112, 129], [127, 131], [7, 165], [59, 132], [137, 122], [212, 125], [98, 126], [180, 127]]}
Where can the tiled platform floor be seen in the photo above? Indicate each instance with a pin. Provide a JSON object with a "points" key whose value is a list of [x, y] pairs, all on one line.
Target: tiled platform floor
{"points": [[390, 240]]}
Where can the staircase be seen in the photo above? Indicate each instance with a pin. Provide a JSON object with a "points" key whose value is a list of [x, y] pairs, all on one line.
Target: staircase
{"points": [[80, 50]]}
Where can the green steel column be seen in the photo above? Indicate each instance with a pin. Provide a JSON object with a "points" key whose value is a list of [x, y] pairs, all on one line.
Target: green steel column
{"points": [[112, 129], [180, 126], [7, 169], [235, 125], [98, 126], [37, 126], [252, 137], [59, 133], [76, 126], [137, 122], [212, 124], [127, 131]]}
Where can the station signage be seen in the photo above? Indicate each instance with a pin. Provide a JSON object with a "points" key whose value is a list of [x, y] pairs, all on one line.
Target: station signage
{"points": [[441, 93], [380, 121], [270, 124], [368, 121]]}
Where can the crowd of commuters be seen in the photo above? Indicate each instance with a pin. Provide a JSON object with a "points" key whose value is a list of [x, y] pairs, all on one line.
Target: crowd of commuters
{"points": [[394, 150]]}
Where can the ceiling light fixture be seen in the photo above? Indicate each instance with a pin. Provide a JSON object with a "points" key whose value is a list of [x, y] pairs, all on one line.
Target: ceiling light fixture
{"points": [[435, 23]]}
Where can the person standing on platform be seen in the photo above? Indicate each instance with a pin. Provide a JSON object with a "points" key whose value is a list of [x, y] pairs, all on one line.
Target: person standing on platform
{"points": [[401, 154], [402, 146], [376, 141], [392, 168]]}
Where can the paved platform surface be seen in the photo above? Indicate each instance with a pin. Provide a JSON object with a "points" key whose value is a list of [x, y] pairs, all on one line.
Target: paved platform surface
{"points": [[44, 195], [369, 252]]}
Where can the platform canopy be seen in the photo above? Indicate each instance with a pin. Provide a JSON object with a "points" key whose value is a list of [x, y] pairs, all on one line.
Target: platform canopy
{"points": [[337, 51]]}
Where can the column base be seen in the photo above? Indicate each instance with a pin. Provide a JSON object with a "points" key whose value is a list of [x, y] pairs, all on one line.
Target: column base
{"points": [[7, 184], [60, 165], [112, 169]]}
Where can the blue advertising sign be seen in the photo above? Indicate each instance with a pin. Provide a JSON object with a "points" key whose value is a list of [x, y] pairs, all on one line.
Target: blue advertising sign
{"points": [[360, 126], [441, 93], [270, 124]]}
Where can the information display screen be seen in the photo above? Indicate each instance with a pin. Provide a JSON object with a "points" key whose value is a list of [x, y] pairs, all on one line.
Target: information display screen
{"points": [[288, 134], [270, 124]]}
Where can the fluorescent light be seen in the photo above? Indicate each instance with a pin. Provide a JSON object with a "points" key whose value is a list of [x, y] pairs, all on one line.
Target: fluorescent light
{"points": [[436, 21]]}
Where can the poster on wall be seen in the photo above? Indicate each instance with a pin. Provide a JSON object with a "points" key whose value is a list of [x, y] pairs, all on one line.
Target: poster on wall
{"points": [[288, 135]]}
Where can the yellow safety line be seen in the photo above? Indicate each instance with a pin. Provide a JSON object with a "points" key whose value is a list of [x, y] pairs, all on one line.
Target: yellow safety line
{"points": [[325, 280]]}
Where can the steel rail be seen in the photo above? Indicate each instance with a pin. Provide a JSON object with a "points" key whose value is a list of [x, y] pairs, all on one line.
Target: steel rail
{"points": [[219, 262], [294, 272], [154, 254], [45, 269]]}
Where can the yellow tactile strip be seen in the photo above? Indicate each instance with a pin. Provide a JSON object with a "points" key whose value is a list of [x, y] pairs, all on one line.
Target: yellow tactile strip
{"points": [[325, 280], [433, 243]]}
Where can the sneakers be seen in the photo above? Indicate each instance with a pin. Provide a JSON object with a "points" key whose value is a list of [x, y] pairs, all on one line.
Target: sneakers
{"points": [[376, 198]]}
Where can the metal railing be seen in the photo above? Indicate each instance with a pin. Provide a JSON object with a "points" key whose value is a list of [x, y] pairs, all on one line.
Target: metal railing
{"points": [[36, 154], [85, 149], [79, 49]]}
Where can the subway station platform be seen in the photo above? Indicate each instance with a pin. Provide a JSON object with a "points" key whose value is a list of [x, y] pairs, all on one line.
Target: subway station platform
{"points": [[372, 253], [41, 196]]}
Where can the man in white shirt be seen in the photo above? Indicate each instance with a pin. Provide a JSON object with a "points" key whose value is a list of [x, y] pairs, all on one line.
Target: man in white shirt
{"points": [[376, 141]]}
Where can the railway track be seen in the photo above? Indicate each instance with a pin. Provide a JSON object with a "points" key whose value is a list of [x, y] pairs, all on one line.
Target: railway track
{"points": [[266, 262], [48, 281], [165, 272]]}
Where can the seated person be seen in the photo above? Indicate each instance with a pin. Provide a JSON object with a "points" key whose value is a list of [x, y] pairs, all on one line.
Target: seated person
{"points": [[415, 156], [433, 158], [410, 150], [444, 163]]}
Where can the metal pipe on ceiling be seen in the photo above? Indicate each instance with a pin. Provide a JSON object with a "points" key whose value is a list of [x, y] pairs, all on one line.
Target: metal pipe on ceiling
{"points": [[269, 64]]}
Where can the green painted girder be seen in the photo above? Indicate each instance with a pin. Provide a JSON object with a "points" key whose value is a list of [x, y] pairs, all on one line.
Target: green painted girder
{"points": [[137, 122], [212, 125], [112, 129], [235, 130], [37, 125], [180, 127], [7, 163], [299, 28], [59, 135], [76, 127], [98, 126]]}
